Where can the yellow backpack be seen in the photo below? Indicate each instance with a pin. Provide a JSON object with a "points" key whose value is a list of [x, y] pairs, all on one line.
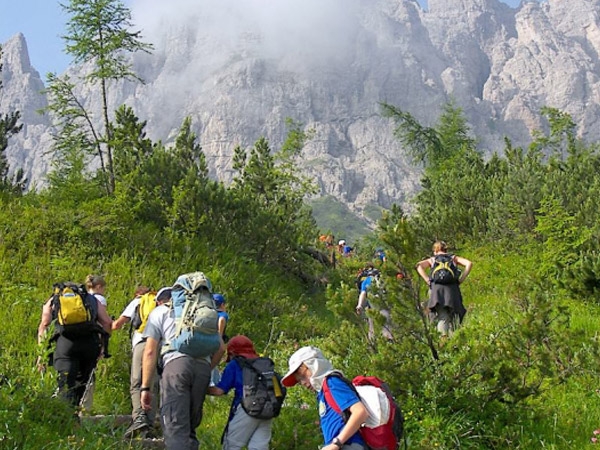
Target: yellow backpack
{"points": [[142, 311], [74, 309]]}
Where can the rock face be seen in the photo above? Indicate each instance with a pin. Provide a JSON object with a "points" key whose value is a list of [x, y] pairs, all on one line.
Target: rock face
{"points": [[238, 70], [22, 91]]}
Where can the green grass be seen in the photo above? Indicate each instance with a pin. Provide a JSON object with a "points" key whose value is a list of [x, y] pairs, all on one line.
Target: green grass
{"points": [[331, 215], [282, 315]]}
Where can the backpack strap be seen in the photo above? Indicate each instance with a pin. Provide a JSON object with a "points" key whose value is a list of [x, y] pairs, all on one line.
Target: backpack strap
{"points": [[329, 396]]}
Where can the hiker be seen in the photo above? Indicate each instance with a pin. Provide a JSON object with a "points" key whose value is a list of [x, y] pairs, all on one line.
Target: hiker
{"points": [[242, 429], [78, 345], [96, 285], [347, 251], [223, 315], [326, 240], [445, 299], [222, 325], [184, 379], [142, 421], [364, 280], [380, 255], [368, 277], [310, 368]]}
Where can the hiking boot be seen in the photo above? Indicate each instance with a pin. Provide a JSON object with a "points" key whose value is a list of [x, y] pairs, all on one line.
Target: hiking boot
{"points": [[139, 426]]}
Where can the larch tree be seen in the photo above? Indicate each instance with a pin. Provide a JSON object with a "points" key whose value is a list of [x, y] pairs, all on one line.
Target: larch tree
{"points": [[98, 34]]}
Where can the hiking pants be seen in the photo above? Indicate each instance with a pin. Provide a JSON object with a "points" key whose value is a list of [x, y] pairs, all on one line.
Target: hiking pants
{"points": [[136, 384], [183, 385], [74, 360], [244, 430], [446, 321]]}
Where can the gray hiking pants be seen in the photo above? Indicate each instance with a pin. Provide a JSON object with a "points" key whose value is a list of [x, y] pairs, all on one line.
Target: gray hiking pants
{"points": [[183, 386], [447, 321], [244, 430]]}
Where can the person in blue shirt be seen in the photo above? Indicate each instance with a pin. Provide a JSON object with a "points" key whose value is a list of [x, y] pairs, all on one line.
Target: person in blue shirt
{"points": [[223, 319], [222, 314], [310, 368], [242, 430], [380, 255]]}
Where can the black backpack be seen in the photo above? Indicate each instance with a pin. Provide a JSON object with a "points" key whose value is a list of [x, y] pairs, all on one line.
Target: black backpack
{"points": [[263, 393], [75, 310], [444, 270]]}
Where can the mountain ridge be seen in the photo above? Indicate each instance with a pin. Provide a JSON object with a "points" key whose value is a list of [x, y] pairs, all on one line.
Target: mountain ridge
{"points": [[239, 75]]}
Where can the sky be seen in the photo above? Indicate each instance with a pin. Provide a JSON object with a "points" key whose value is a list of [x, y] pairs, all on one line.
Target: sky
{"points": [[42, 23]]}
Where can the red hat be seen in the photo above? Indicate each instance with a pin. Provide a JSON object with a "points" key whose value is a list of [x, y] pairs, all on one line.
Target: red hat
{"points": [[241, 346]]}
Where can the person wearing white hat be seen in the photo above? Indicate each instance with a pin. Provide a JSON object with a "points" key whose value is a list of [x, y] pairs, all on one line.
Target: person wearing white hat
{"points": [[308, 367]]}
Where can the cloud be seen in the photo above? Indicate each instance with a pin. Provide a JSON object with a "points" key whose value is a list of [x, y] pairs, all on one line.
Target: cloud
{"points": [[309, 32]]}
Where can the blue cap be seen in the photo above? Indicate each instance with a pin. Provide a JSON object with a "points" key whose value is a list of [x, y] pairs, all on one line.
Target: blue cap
{"points": [[219, 299]]}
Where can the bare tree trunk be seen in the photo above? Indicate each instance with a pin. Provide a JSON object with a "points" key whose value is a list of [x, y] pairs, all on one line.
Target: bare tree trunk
{"points": [[108, 134]]}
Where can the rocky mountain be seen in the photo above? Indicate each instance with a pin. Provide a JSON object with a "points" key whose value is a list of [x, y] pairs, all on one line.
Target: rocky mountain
{"points": [[240, 69]]}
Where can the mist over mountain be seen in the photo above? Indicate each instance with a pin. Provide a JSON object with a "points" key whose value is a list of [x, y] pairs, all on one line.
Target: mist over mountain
{"points": [[239, 69]]}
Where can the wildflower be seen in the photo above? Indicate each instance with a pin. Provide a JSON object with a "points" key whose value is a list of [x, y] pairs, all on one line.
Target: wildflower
{"points": [[594, 440], [597, 432]]}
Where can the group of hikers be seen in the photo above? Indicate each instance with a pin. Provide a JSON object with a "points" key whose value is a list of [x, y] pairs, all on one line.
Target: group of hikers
{"points": [[342, 247], [179, 339], [443, 272]]}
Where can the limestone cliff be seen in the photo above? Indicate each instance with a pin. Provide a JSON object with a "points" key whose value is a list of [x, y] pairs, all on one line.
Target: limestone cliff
{"points": [[239, 70]]}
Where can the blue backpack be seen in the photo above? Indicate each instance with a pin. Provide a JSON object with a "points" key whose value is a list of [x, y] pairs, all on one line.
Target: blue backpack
{"points": [[196, 319]]}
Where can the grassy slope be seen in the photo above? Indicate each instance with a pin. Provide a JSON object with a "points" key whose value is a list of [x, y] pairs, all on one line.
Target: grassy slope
{"points": [[573, 409]]}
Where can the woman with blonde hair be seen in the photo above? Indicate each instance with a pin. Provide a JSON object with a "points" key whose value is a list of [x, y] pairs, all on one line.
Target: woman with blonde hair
{"points": [[96, 285], [444, 280]]}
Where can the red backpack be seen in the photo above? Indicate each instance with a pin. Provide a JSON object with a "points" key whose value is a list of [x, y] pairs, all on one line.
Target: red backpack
{"points": [[385, 435]]}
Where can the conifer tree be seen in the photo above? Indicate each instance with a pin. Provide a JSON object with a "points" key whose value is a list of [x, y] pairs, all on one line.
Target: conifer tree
{"points": [[454, 198], [98, 35]]}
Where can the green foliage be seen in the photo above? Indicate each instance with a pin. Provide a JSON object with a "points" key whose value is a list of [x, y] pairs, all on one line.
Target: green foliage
{"points": [[77, 138], [98, 35], [330, 214], [518, 373], [515, 193], [455, 196], [274, 190]]}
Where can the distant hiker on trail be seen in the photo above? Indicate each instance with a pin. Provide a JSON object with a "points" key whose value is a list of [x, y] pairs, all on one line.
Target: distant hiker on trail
{"points": [[443, 279], [137, 312], [326, 240], [380, 255], [344, 249], [252, 378], [368, 279], [79, 322], [365, 278], [186, 356], [310, 368]]}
